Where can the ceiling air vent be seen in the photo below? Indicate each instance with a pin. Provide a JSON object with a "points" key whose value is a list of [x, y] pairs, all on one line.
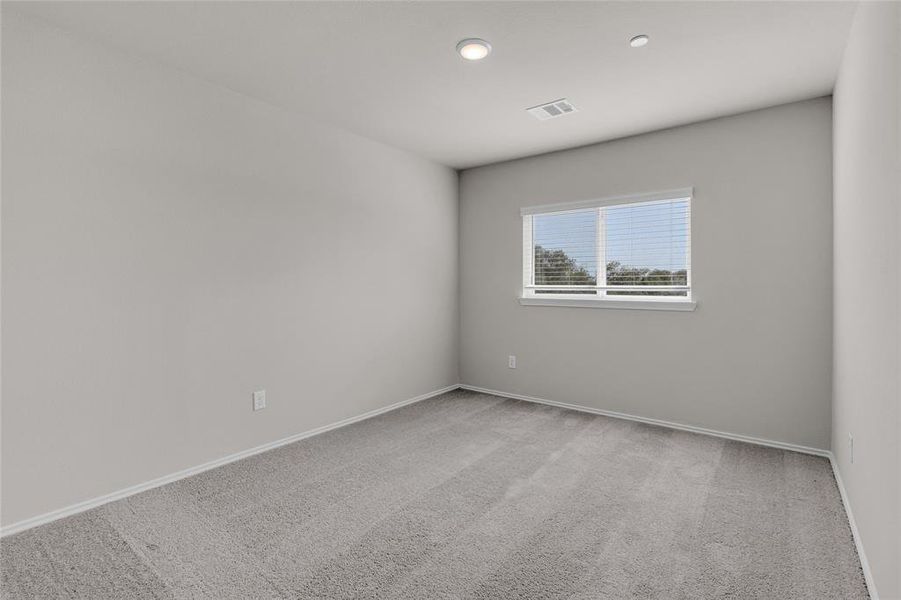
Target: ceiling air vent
{"points": [[550, 110]]}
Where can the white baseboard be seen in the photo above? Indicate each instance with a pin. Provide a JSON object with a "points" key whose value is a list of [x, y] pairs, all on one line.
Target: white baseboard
{"points": [[669, 424], [130, 491], [865, 565], [141, 487]]}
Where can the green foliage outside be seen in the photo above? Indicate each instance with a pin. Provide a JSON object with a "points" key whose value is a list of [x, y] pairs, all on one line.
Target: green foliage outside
{"points": [[555, 267]]}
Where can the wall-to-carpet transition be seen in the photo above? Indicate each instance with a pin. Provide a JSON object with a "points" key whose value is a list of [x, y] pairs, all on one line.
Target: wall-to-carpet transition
{"points": [[465, 496]]}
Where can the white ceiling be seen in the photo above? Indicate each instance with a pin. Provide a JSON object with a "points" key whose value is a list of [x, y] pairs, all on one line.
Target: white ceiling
{"points": [[389, 70]]}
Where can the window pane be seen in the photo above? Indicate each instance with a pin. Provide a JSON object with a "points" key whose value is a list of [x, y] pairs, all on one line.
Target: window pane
{"points": [[565, 248], [648, 244]]}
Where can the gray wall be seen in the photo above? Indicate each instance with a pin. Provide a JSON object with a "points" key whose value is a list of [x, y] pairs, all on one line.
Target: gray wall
{"points": [[753, 359], [169, 246], [867, 272]]}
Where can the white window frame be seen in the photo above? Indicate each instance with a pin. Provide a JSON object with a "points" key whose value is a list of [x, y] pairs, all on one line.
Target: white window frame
{"points": [[529, 297]]}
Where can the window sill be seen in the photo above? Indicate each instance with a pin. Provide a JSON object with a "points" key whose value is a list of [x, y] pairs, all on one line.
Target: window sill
{"points": [[673, 305]]}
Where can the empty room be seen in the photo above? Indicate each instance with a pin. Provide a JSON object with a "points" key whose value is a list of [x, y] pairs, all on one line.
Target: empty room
{"points": [[450, 300]]}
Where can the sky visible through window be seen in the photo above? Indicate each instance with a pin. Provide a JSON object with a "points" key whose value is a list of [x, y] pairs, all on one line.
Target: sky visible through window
{"points": [[652, 236]]}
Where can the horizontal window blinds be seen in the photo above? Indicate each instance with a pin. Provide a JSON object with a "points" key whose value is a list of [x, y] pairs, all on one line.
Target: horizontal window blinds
{"points": [[565, 248], [639, 248]]}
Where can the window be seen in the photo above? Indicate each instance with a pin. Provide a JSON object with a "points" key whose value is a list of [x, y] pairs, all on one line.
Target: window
{"points": [[629, 252]]}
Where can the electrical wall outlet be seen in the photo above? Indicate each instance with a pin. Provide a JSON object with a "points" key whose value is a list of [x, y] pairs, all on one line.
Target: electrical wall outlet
{"points": [[259, 400], [511, 361], [851, 448]]}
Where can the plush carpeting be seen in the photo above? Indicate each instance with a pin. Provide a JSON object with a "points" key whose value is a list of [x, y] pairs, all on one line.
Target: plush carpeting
{"points": [[465, 496]]}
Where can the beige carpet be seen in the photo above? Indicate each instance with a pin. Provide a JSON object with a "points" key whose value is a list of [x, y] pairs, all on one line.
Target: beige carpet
{"points": [[465, 496]]}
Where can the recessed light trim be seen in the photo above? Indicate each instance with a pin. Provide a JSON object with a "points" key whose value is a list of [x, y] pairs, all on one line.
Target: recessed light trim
{"points": [[639, 40], [473, 48]]}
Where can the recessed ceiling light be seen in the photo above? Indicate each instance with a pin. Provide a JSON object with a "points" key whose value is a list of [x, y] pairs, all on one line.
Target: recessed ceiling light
{"points": [[639, 40], [474, 49]]}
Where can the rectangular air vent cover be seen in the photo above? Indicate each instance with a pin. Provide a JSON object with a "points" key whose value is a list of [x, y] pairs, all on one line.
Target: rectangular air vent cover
{"points": [[550, 110]]}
